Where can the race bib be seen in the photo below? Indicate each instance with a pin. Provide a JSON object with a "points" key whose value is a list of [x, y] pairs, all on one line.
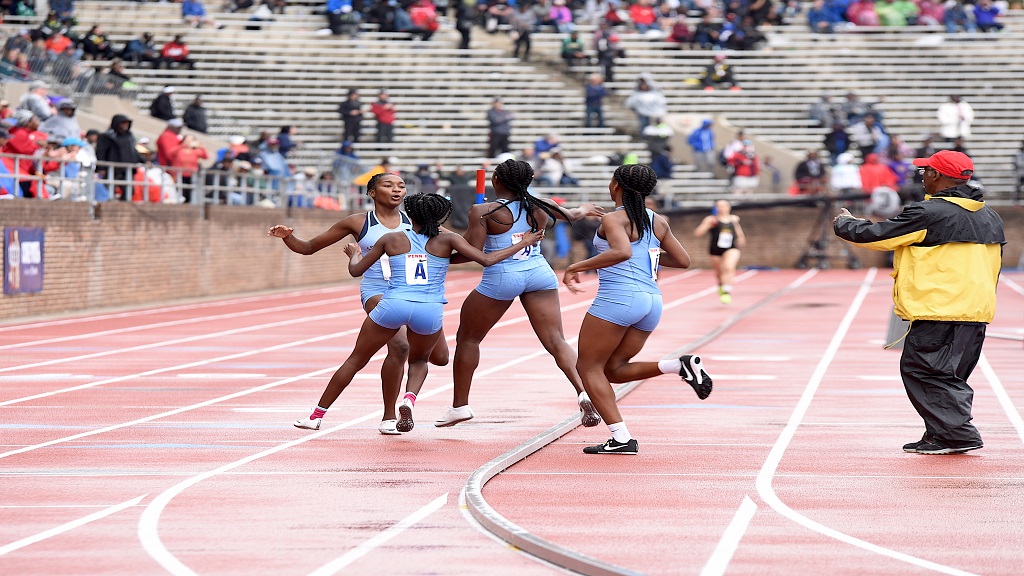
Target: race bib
{"points": [[416, 269], [385, 266], [655, 254], [525, 252], [725, 240]]}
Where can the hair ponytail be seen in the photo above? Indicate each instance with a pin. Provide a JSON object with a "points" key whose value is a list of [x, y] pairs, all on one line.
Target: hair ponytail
{"points": [[638, 182], [516, 176]]}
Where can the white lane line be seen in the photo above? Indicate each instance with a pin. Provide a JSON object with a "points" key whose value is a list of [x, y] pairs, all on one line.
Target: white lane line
{"points": [[148, 531], [730, 540], [181, 322], [165, 343], [366, 547], [155, 371], [205, 336], [771, 464], [1004, 399], [1012, 285], [69, 526], [277, 383], [199, 306], [55, 506], [222, 376], [753, 358]]}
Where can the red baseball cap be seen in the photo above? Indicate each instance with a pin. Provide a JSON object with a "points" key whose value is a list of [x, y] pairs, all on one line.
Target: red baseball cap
{"points": [[948, 163]]}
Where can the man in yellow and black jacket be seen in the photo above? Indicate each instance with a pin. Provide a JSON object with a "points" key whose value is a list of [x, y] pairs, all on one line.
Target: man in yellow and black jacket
{"points": [[947, 257]]}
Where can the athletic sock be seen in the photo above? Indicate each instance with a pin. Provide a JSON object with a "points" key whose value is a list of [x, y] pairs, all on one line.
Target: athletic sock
{"points": [[619, 432], [672, 366], [318, 413], [727, 288], [411, 398]]}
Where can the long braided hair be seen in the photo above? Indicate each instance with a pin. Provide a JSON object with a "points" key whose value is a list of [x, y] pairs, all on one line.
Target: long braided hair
{"points": [[638, 182], [516, 175], [429, 211]]}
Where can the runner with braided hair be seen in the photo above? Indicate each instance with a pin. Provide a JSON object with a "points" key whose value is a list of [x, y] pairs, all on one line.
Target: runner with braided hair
{"points": [[527, 275], [419, 260], [387, 191], [631, 242]]}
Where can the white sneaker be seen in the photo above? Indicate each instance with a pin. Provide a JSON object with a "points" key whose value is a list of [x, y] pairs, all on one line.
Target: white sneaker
{"points": [[405, 423], [387, 428], [308, 423], [453, 416], [589, 417]]}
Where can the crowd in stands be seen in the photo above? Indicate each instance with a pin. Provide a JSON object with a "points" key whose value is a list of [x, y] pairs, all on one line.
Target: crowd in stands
{"points": [[54, 49], [828, 16], [44, 153]]}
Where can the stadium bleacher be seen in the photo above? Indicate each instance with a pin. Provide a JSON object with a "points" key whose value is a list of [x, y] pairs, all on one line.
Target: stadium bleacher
{"points": [[289, 72]]}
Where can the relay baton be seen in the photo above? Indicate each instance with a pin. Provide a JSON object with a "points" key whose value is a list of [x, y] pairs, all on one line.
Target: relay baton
{"points": [[481, 181]]}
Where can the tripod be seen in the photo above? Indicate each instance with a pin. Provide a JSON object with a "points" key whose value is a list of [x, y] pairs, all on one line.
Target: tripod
{"points": [[817, 255]]}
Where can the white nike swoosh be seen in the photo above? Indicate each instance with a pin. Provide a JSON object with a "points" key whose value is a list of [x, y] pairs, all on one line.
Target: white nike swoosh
{"points": [[619, 447], [687, 374]]}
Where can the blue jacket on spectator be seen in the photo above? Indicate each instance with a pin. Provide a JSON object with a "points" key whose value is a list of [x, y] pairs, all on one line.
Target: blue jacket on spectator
{"points": [[702, 139], [192, 8]]}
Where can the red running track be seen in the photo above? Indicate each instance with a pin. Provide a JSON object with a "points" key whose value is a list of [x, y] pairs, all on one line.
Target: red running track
{"points": [[158, 441]]}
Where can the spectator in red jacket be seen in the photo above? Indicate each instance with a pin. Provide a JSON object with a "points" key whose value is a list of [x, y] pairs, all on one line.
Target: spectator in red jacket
{"points": [[25, 139], [176, 53], [168, 142], [643, 16], [746, 169], [876, 174], [186, 163], [384, 110]]}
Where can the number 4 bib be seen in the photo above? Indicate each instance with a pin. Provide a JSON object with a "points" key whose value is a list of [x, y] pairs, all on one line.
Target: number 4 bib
{"points": [[416, 269], [523, 254]]}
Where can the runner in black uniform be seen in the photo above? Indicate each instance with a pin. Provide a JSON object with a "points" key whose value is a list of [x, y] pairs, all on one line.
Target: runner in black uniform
{"points": [[726, 240]]}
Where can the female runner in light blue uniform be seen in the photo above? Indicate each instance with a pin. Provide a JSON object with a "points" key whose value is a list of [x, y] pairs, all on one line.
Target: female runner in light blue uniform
{"points": [[526, 275], [387, 192], [415, 297], [632, 242]]}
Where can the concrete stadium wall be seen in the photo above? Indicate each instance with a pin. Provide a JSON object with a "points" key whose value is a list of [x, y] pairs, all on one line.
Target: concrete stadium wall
{"points": [[137, 254]]}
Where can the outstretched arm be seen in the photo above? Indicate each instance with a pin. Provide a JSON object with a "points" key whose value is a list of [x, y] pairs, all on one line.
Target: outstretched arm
{"points": [[348, 226], [619, 250], [475, 234], [473, 253], [910, 227], [357, 265], [573, 214]]}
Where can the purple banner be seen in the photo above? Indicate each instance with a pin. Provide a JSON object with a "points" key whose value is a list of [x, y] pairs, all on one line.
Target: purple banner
{"points": [[23, 261]]}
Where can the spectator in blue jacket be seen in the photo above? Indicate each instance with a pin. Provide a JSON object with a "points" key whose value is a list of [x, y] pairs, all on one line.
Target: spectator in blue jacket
{"points": [[956, 18], [987, 15], [194, 13], [595, 93], [822, 19], [702, 140]]}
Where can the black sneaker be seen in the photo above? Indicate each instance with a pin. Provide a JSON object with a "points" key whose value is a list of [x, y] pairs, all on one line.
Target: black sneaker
{"points": [[913, 446], [695, 375], [935, 448], [613, 447]]}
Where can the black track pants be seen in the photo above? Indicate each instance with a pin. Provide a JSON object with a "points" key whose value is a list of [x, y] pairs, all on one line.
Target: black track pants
{"points": [[938, 357]]}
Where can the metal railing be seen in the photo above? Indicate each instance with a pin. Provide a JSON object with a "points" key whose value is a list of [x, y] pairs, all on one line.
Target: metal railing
{"points": [[65, 179]]}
